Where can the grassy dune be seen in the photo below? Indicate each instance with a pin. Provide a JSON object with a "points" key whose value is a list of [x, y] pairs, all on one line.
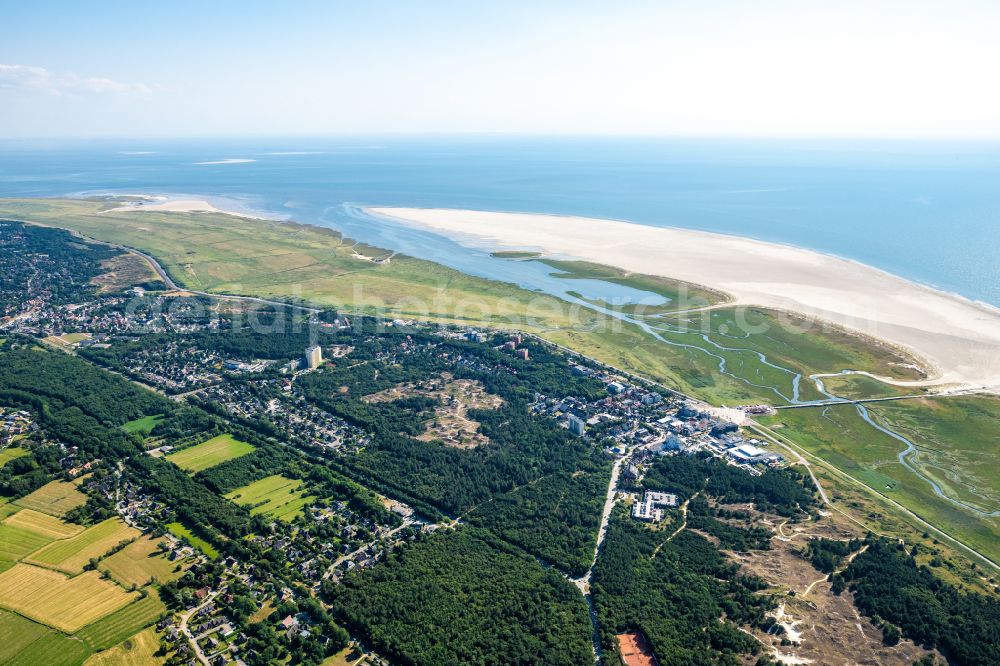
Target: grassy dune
{"points": [[225, 254], [682, 295]]}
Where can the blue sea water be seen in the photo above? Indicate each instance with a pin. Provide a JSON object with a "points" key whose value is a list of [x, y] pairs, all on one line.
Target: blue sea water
{"points": [[929, 212]]}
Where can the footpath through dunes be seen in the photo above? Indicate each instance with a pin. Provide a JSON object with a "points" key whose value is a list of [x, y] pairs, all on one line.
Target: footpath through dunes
{"points": [[958, 338]]}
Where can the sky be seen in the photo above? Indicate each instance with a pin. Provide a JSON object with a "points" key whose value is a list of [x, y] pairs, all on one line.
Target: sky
{"points": [[764, 68]]}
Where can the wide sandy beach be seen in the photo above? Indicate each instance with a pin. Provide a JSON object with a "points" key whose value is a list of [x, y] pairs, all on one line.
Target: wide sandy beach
{"points": [[958, 339]]}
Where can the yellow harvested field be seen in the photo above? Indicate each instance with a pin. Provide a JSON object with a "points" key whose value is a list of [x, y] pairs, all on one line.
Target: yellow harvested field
{"points": [[139, 562], [140, 650], [71, 555], [44, 524], [53, 599], [56, 499]]}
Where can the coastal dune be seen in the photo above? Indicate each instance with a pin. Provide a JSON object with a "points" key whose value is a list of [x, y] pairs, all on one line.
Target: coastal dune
{"points": [[957, 339]]}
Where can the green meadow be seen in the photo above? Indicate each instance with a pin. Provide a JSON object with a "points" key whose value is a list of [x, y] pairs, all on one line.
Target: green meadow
{"points": [[11, 453], [182, 531], [839, 436], [217, 450], [142, 426], [275, 496]]}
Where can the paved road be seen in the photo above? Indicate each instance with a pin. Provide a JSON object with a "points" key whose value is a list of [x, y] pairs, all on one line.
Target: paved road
{"points": [[187, 632], [583, 582], [930, 394]]}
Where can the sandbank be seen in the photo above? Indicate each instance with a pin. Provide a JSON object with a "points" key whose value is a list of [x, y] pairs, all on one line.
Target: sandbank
{"points": [[165, 205], [956, 338]]}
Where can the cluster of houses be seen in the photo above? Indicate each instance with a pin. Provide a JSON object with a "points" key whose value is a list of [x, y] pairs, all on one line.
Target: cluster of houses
{"points": [[298, 420], [14, 424], [112, 317]]}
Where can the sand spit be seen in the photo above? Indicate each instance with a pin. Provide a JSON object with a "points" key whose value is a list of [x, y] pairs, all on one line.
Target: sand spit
{"points": [[163, 204], [957, 338]]}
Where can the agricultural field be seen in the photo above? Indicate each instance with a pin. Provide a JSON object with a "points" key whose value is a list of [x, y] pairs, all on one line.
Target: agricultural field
{"points": [[56, 499], [16, 634], [53, 599], [11, 453], [217, 450], [181, 531], [139, 650], [72, 554], [275, 496], [43, 524], [6, 508], [142, 426], [140, 562], [27, 643], [839, 436], [16, 542], [67, 341], [127, 621]]}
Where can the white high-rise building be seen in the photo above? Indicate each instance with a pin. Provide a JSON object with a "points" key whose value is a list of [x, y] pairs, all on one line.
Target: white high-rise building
{"points": [[575, 424], [314, 356]]}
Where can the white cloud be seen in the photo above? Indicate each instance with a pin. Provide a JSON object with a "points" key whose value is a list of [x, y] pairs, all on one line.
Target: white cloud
{"points": [[39, 79]]}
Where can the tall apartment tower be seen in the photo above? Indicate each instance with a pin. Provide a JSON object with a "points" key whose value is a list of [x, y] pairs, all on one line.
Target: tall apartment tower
{"points": [[314, 356]]}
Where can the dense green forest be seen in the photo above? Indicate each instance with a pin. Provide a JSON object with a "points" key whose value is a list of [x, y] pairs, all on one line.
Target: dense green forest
{"points": [[677, 592], [281, 345], [64, 382], [555, 517], [464, 597], [40, 261], [904, 598], [827, 554]]}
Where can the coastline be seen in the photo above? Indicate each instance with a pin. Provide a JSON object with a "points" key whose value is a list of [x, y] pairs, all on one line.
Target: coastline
{"points": [[956, 338]]}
